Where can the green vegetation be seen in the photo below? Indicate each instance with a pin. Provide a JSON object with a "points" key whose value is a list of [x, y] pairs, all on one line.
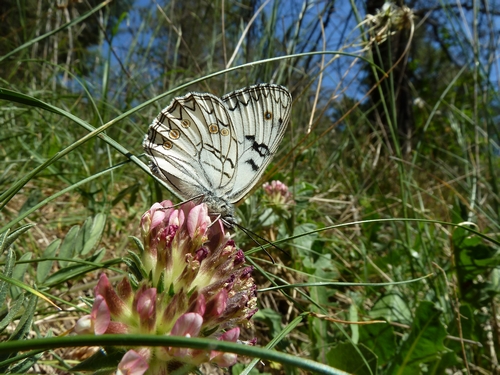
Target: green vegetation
{"points": [[392, 157]]}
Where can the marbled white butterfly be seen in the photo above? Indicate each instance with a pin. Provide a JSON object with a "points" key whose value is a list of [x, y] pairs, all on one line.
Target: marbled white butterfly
{"points": [[217, 148]]}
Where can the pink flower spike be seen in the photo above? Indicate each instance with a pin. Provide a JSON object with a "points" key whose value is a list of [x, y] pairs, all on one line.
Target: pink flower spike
{"points": [[132, 363], [198, 220], [187, 325]]}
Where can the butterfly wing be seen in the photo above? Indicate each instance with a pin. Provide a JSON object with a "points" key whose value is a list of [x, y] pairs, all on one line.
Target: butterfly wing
{"points": [[192, 146], [260, 115]]}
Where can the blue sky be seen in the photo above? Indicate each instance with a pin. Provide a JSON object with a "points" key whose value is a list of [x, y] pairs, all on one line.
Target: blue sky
{"points": [[340, 31]]}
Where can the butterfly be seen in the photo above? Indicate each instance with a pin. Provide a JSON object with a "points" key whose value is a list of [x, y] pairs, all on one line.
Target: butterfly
{"points": [[216, 149]]}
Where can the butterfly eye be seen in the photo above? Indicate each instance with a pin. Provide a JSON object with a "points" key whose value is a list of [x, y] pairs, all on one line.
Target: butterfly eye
{"points": [[268, 115], [185, 123], [174, 134], [167, 145], [214, 129], [224, 131]]}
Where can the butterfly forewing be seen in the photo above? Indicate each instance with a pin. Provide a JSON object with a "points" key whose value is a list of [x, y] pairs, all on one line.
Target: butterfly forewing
{"points": [[201, 145], [192, 146], [260, 115]]}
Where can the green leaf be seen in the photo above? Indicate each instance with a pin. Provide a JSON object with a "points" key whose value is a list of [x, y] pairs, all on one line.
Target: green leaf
{"points": [[304, 243], [25, 364], [135, 265], [353, 317], [124, 192], [75, 270], [10, 261], [380, 339], [3, 241], [424, 344], [240, 367], [82, 236], [104, 361], [324, 267], [67, 249], [32, 200], [24, 326], [18, 274], [467, 323], [392, 307], [319, 328], [116, 28], [12, 311], [271, 318], [447, 361], [43, 268], [6, 241], [139, 244], [357, 359], [160, 285], [93, 234], [476, 260]]}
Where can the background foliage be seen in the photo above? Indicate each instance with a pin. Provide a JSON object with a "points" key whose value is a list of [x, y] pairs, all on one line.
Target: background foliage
{"points": [[391, 155]]}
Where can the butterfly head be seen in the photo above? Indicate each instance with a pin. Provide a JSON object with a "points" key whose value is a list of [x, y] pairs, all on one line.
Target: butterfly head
{"points": [[220, 207]]}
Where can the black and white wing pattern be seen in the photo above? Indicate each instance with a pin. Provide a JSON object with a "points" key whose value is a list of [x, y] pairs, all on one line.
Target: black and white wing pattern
{"points": [[260, 115], [217, 149]]}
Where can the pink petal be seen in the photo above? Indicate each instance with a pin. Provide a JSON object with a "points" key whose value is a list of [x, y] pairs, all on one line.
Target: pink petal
{"points": [[198, 306], [198, 220], [100, 315], [166, 204], [114, 302], [157, 219], [217, 305], [224, 359], [154, 207], [124, 289], [102, 285], [146, 303], [188, 325], [132, 363], [84, 325], [182, 217], [118, 328], [174, 218], [231, 335]]}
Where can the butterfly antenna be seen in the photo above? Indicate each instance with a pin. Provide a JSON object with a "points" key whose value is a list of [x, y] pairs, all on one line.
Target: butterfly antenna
{"points": [[251, 234], [200, 197]]}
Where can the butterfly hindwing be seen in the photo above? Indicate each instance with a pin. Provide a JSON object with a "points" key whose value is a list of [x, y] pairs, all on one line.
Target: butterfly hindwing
{"points": [[260, 115], [192, 146]]}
